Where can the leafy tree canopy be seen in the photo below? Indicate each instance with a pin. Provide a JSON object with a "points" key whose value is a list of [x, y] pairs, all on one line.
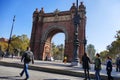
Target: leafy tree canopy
{"points": [[17, 43], [113, 49], [91, 51]]}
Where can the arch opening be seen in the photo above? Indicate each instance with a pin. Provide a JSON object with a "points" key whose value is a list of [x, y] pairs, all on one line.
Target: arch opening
{"points": [[57, 48], [54, 45]]}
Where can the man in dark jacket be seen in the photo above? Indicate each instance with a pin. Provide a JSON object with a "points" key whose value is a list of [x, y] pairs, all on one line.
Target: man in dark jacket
{"points": [[27, 60], [85, 64], [109, 68], [118, 64]]}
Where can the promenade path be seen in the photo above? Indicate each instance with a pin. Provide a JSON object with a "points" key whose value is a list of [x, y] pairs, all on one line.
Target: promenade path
{"points": [[59, 68]]}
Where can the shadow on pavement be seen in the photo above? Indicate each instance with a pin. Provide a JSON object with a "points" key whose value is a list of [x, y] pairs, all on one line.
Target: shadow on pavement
{"points": [[10, 78]]}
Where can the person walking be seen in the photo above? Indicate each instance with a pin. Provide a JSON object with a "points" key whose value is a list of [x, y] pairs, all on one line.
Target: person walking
{"points": [[109, 68], [118, 64], [1, 53], [85, 64], [97, 67], [27, 57]]}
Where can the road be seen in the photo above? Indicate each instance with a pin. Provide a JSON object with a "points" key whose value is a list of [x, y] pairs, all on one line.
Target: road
{"points": [[12, 73]]}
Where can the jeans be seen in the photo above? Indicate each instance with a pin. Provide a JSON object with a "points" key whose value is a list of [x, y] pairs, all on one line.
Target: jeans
{"points": [[97, 75], [25, 69]]}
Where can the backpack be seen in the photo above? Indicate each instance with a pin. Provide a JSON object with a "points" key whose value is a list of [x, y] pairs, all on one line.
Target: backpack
{"points": [[28, 57]]}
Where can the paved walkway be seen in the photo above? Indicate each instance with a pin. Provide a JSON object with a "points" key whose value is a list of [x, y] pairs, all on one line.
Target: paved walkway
{"points": [[58, 67]]}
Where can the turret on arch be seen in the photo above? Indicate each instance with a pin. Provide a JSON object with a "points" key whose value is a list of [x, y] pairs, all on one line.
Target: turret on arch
{"points": [[46, 25]]}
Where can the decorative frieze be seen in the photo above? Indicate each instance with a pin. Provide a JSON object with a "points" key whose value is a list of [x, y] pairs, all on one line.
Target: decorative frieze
{"points": [[57, 18]]}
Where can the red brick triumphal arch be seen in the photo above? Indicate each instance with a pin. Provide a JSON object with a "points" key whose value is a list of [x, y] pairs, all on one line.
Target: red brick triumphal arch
{"points": [[46, 25]]}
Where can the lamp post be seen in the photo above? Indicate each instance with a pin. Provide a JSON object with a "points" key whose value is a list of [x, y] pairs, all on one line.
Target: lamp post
{"points": [[76, 40], [10, 37], [85, 42]]}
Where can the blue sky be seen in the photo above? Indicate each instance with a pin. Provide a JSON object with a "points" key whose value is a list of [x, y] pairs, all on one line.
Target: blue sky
{"points": [[103, 18]]}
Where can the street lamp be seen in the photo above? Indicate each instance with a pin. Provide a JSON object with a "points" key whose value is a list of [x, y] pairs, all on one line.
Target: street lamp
{"points": [[76, 40], [10, 36]]}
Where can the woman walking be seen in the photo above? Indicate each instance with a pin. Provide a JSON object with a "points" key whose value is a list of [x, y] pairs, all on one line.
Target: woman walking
{"points": [[85, 64]]}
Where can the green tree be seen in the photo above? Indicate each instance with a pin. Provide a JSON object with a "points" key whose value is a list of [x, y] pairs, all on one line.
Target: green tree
{"points": [[4, 46], [114, 47], [61, 51], [117, 36], [91, 51], [54, 51], [103, 55], [19, 42], [57, 51]]}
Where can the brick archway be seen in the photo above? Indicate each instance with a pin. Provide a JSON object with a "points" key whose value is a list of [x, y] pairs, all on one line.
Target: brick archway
{"points": [[51, 30], [48, 35], [46, 25]]}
